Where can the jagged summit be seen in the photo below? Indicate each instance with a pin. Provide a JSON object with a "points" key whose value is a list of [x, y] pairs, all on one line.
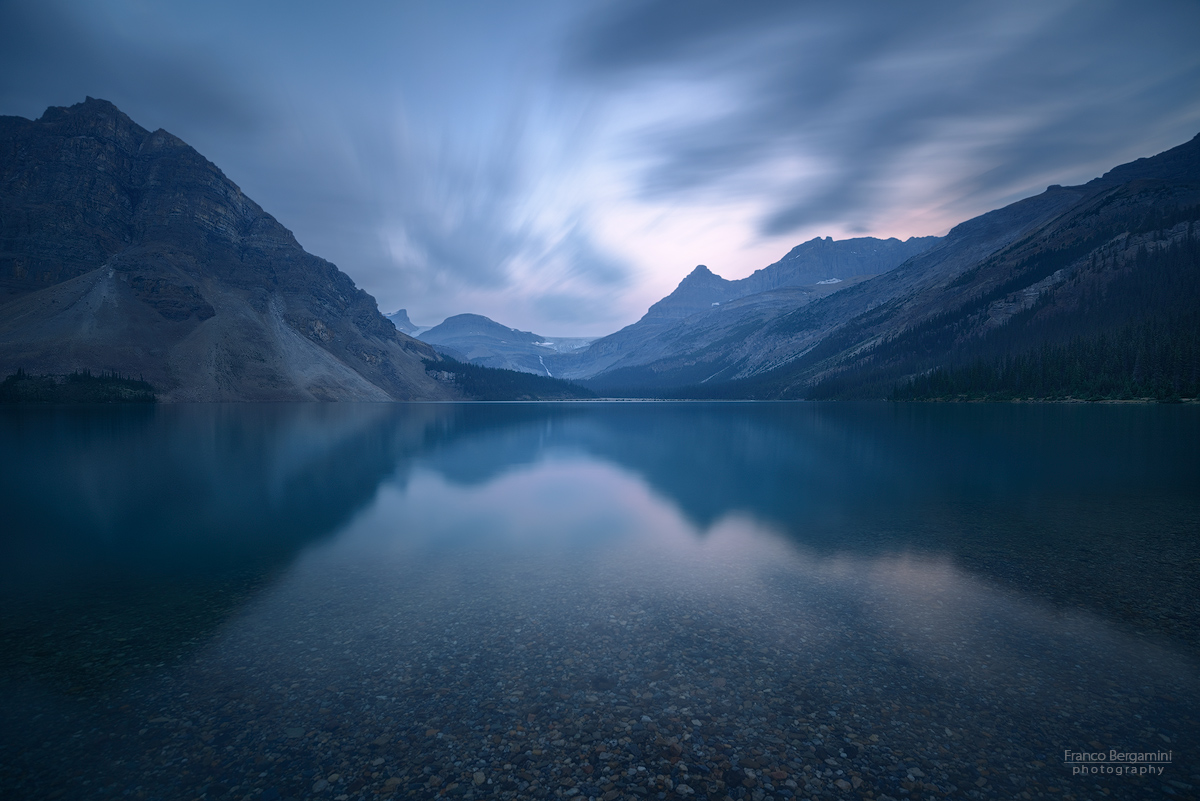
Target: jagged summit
{"points": [[96, 118], [90, 108], [818, 259]]}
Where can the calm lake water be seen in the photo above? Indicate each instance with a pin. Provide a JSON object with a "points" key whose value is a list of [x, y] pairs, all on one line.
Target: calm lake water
{"points": [[600, 600]]}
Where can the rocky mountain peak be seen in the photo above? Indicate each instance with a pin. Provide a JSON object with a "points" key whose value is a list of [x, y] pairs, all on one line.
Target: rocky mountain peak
{"points": [[96, 118], [701, 276], [698, 291]]}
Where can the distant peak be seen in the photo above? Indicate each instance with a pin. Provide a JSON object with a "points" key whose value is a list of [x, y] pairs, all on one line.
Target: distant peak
{"points": [[400, 319], [701, 276]]}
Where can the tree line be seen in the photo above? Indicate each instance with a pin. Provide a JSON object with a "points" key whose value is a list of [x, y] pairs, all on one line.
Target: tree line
{"points": [[81, 386], [1138, 336]]}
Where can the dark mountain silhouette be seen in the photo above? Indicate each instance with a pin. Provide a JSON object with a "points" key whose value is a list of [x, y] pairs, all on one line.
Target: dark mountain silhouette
{"points": [[125, 250]]}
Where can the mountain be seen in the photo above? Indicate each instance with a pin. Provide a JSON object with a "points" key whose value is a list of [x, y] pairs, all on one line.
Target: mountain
{"points": [[481, 341], [707, 314], [816, 262], [123, 249], [1099, 297], [400, 319], [1081, 291]]}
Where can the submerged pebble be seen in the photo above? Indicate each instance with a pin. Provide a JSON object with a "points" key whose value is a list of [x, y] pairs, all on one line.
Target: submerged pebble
{"points": [[487, 678]]}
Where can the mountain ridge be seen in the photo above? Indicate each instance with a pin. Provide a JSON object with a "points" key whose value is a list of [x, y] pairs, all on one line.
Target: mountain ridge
{"points": [[706, 309]]}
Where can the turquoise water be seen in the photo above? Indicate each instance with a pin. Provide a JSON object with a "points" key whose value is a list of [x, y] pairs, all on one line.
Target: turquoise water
{"points": [[598, 600]]}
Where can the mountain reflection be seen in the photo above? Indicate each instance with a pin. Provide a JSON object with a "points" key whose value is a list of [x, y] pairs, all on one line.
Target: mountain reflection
{"points": [[1051, 500], [811, 467], [1084, 506], [243, 590], [188, 488], [179, 488]]}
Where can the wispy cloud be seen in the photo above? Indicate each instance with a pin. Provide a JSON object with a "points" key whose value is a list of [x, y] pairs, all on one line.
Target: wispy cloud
{"points": [[872, 98], [560, 166]]}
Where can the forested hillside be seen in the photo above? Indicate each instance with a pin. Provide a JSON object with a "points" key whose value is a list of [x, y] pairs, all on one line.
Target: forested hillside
{"points": [[1138, 339]]}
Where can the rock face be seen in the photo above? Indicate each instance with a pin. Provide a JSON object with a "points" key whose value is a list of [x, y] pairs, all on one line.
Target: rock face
{"points": [[124, 249]]}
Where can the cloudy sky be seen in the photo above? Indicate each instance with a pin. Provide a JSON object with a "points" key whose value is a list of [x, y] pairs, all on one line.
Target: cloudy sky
{"points": [[558, 165]]}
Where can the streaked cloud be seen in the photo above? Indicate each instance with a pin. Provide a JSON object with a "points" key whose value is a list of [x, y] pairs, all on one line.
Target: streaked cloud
{"points": [[965, 106], [560, 166]]}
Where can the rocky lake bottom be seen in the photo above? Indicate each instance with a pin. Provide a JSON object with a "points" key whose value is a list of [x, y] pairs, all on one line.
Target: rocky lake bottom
{"points": [[593, 603]]}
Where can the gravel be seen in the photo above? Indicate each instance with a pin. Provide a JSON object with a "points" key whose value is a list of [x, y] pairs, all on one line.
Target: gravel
{"points": [[724, 671]]}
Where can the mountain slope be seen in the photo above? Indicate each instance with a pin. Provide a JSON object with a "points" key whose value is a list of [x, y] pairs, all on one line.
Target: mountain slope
{"points": [[123, 249], [1072, 265]]}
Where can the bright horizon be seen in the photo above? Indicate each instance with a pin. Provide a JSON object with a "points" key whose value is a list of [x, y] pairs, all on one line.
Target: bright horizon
{"points": [[560, 167]]}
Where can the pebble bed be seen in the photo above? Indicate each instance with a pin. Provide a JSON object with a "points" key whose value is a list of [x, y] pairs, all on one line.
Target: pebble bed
{"points": [[729, 671]]}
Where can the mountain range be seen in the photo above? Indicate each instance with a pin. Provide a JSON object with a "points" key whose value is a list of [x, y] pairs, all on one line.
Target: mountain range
{"points": [[811, 270], [1089, 291], [668, 344], [125, 251]]}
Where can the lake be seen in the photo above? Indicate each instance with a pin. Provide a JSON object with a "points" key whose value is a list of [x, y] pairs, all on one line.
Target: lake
{"points": [[600, 600]]}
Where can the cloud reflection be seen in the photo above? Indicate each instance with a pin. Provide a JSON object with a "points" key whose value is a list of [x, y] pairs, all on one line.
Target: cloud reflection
{"points": [[578, 544]]}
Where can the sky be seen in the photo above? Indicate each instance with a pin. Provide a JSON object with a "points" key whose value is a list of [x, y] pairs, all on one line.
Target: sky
{"points": [[559, 165]]}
